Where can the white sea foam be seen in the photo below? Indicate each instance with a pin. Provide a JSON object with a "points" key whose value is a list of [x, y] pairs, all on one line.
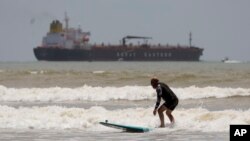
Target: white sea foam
{"points": [[194, 92], [36, 72], [54, 117], [98, 72], [89, 93], [33, 72]]}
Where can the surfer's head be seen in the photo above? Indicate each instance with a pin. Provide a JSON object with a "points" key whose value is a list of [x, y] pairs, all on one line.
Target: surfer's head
{"points": [[154, 82]]}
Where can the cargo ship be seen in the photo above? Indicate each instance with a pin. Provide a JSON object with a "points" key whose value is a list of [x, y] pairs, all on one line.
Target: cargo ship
{"points": [[72, 44]]}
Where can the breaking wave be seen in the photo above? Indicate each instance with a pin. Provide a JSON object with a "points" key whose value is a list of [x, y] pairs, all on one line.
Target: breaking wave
{"points": [[55, 117], [90, 93]]}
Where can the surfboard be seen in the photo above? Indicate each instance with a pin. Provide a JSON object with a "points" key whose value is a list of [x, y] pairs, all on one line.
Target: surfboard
{"points": [[126, 128]]}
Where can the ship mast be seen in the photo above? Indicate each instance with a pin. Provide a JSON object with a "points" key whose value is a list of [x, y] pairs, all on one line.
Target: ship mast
{"points": [[190, 39], [66, 21]]}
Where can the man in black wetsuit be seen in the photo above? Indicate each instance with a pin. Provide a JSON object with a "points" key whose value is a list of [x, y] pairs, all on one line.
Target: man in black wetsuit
{"points": [[171, 100]]}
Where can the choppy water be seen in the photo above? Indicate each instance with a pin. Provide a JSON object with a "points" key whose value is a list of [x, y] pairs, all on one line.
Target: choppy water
{"points": [[76, 74], [67, 100]]}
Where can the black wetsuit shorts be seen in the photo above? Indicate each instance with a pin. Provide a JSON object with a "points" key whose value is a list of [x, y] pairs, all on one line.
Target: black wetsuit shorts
{"points": [[171, 105]]}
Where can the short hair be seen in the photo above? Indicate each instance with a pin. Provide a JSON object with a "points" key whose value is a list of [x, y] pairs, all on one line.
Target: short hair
{"points": [[154, 80]]}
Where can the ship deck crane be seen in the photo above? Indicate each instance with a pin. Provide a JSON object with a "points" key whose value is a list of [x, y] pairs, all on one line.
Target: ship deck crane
{"points": [[124, 39]]}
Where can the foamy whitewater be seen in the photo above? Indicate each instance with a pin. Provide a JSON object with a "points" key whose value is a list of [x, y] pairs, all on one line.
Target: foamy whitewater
{"points": [[67, 100], [89, 93], [55, 117]]}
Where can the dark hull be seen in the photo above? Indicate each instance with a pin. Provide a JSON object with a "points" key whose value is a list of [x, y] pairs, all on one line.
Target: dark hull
{"points": [[117, 53]]}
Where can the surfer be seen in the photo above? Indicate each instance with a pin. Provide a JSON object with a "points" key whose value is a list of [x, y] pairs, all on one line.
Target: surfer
{"points": [[171, 100]]}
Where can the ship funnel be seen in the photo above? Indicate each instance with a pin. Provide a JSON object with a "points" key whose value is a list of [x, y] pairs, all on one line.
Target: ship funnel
{"points": [[56, 26]]}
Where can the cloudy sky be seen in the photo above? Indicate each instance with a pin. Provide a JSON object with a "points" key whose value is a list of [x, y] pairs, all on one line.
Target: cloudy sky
{"points": [[221, 27]]}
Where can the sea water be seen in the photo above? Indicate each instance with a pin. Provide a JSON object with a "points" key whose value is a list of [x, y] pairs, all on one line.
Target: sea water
{"points": [[67, 100]]}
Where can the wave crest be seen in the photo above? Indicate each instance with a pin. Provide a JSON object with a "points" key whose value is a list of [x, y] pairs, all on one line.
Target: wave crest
{"points": [[89, 93]]}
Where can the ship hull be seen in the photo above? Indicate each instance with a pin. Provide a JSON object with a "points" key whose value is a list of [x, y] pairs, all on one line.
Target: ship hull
{"points": [[118, 54]]}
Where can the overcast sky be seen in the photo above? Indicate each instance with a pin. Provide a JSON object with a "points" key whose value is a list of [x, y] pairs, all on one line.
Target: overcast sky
{"points": [[221, 27]]}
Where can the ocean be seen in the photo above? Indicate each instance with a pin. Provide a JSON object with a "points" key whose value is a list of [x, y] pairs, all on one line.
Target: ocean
{"points": [[48, 101]]}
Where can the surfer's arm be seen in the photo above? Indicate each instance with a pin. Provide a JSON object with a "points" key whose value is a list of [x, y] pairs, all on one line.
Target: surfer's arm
{"points": [[158, 101]]}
